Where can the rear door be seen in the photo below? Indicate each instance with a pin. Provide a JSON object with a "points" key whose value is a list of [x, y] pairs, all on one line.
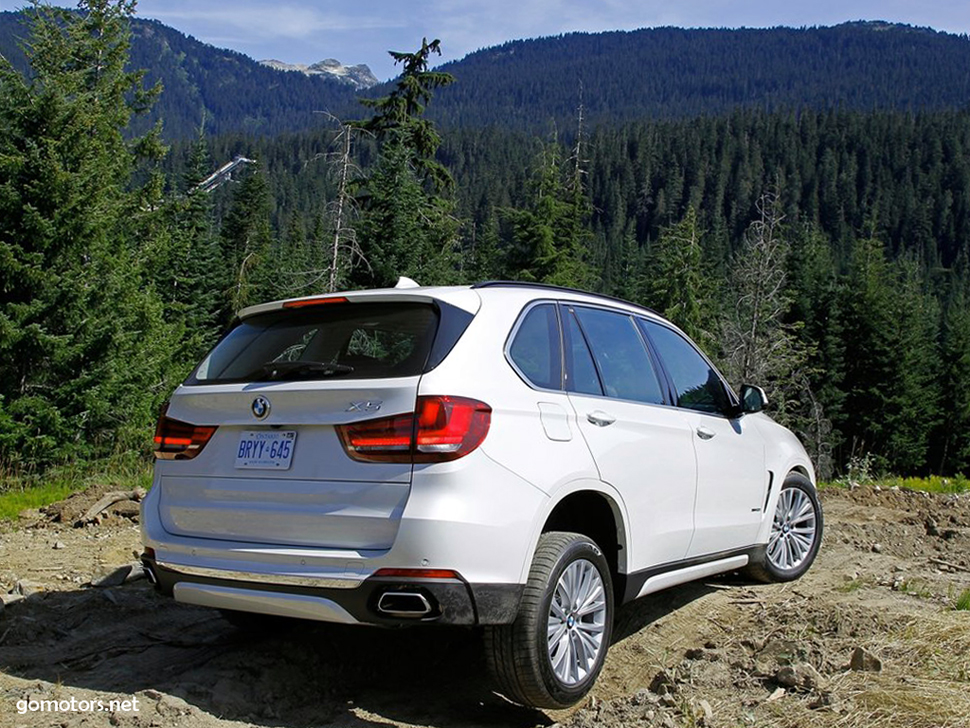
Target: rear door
{"points": [[641, 447], [277, 387]]}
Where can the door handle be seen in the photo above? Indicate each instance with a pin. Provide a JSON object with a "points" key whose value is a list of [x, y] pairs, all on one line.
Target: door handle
{"points": [[600, 418], [704, 433]]}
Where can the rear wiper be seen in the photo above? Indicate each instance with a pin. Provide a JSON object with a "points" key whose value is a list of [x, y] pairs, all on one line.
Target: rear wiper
{"points": [[286, 369]]}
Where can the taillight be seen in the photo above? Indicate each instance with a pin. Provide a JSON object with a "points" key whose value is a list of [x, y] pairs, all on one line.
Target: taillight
{"points": [[176, 440], [441, 428]]}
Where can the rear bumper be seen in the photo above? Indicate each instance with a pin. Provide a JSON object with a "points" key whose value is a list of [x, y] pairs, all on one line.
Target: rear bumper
{"points": [[377, 600]]}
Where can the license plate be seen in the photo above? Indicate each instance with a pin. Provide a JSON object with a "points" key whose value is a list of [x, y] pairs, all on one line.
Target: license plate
{"points": [[265, 450]]}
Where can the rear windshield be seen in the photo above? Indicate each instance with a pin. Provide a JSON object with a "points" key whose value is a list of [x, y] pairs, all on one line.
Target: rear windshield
{"points": [[342, 340]]}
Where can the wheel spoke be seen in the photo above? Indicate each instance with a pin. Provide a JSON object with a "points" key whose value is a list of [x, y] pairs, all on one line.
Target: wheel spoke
{"points": [[576, 621], [801, 543], [555, 633], [556, 610], [805, 510], [793, 529], [594, 602]]}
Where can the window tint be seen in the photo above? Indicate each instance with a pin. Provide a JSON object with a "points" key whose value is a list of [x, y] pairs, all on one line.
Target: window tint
{"points": [[353, 340], [698, 385], [536, 350], [581, 376], [621, 358]]}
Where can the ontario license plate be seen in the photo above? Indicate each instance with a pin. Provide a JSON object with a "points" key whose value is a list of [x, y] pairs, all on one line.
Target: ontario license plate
{"points": [[266, 450]]}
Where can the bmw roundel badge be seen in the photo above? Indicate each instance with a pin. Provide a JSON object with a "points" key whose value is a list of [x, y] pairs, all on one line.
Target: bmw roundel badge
{"points": [[260, 408]]}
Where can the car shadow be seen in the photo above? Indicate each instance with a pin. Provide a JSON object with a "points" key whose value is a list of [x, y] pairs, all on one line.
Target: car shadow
{"points": [[128, 640], [647, 610]]}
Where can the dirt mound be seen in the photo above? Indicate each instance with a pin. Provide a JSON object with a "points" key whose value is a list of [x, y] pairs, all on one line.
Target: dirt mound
{"points": [[869, 637]]}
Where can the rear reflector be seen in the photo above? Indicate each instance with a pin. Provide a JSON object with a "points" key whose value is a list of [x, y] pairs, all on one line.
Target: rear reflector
{"points": [[418, 573], [442, 428], [176, 440]]}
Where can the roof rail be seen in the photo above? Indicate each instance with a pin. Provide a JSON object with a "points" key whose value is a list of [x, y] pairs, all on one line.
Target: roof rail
{"points": [[562, 289]]}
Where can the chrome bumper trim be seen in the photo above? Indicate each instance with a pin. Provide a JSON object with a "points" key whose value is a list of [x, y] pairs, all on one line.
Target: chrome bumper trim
{"points": [[247, 600], [318, 582]]}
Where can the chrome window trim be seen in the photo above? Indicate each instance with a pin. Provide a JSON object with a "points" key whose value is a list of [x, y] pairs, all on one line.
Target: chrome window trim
{"points": [[511, 338]]}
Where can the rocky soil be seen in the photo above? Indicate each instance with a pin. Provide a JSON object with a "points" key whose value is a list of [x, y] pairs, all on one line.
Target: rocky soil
{"points": [[869, 637]]}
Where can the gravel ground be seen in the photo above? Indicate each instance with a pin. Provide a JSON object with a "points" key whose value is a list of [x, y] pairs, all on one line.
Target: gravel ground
{"points": [[869, 637]]}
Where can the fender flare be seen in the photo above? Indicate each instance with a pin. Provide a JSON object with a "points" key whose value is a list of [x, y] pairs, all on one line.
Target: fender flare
{"points": [[580, 485]]}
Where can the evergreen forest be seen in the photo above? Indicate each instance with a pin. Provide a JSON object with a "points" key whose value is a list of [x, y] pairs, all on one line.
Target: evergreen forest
{"points": [[818, 249]]}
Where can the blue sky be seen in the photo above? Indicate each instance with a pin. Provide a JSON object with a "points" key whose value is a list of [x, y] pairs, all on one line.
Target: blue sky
{"points": [[362, 31]]}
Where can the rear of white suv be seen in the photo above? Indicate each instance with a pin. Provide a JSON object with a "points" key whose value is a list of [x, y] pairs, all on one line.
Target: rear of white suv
{"points": [[516, 457]]}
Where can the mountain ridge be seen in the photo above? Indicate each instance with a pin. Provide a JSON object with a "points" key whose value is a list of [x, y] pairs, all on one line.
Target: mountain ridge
{"points": [[536, 85], [358, 76]]}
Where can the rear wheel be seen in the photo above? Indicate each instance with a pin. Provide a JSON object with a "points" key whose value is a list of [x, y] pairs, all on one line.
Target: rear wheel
{"points": [[551, 655], [796, 532]]}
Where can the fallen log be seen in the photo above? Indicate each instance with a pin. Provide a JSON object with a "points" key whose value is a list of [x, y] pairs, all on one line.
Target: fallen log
{"points": [[108, 500]]}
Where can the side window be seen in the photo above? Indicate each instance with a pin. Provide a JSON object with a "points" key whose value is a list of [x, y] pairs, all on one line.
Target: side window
{"points": [[621, 358], [536, 349], [698, 385], [581, 376]]}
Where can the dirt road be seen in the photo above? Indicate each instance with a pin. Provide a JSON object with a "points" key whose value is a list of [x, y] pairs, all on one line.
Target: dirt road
{"points": [[869, 637]]}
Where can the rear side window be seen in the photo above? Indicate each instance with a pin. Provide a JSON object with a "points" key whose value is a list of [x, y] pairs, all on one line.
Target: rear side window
{"points": [[536, 350], [581, 376], [620, 355], [698, 386], [349, 340]]}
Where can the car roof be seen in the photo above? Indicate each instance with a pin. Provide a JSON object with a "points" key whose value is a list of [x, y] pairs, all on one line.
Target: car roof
{"points": [[467, 297]]}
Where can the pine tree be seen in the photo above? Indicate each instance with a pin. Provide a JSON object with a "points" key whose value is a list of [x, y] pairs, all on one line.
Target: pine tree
{"points": [[185, 264], [550, 238], [951, 451], [408, 226], [680, 285], [85, 352], [891, 399], [247, 247]]}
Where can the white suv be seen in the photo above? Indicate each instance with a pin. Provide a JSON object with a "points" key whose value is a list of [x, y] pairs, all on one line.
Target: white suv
{"points": [[519, 457]]}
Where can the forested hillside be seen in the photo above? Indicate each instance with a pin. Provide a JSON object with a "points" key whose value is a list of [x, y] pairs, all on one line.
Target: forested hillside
{"points": [[222, 89], [822, 253], [873, 211], [676, 72], [533, 84]]}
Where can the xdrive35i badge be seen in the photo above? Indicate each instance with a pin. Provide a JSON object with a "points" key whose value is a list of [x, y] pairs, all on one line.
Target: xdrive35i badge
{"points": [[365, 406], [260, 408]]}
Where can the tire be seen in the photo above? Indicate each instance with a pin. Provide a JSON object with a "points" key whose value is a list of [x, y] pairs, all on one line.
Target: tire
{"points": [[535, 668], [796, 533]]}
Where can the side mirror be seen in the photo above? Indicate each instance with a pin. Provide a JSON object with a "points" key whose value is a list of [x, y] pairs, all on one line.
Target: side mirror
{"points": [[753, 399]]}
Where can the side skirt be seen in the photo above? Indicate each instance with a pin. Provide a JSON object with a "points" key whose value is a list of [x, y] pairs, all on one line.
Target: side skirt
{"points": [[661, 577]]}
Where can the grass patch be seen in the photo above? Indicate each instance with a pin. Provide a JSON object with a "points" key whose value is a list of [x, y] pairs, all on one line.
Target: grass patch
{"points": [[962, 603], [853, 585], [121, 472], [929, 484]]}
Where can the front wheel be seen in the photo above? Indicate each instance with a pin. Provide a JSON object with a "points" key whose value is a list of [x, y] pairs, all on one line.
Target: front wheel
{"points": [[796, 532], [551, 655]]}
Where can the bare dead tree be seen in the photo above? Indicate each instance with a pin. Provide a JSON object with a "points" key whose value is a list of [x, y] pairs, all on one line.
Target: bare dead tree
{"points": [[344, 209], [760, 347], [758, 344], [337, 243]]}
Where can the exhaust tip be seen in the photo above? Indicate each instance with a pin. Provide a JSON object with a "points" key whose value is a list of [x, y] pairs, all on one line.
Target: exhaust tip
{"points": [[150, 575], [404, 604]]}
